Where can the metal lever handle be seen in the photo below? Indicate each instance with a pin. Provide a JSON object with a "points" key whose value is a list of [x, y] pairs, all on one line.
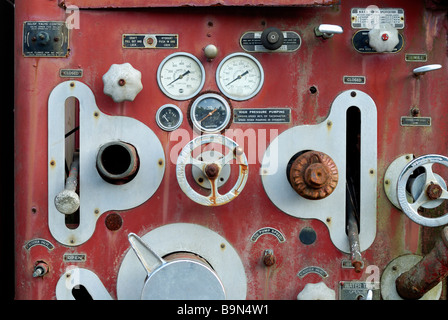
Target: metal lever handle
{"points": [[426, 274], [148, 258], [328, 30], [67, 201], [422, 70]]}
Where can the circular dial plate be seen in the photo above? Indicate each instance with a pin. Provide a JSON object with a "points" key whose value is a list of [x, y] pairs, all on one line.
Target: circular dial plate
{"points": [[169, 117], [210, 113], [239, 76], [181, 76]]}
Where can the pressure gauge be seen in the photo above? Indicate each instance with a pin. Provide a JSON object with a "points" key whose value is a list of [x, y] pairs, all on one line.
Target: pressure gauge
{"points": [[210, 113], [239, 76], [180, 76], [169, 117]]}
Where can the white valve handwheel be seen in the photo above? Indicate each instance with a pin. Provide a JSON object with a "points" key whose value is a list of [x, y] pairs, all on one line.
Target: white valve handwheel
{"points": [[214, 198], [122, 82], [410, 209]]}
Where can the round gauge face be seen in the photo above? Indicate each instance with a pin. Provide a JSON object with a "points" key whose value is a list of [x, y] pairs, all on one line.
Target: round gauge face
{"points": [[169, 117], [239, 76], [210, 113], [180, 76]]}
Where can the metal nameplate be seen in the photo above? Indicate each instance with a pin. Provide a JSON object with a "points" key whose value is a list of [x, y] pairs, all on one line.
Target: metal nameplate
{"points": [[262, 115], [71, 73], [45, 39], [358, 290], [354, 80], [74, 257], [415, 121], [150, 41], [360, 42], [39, 242], [251, 42], [365, 18], [312, 269], [268, 230], [416, 57]]}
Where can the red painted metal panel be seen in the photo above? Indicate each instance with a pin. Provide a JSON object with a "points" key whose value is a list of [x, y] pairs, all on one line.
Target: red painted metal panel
{"points": [[199, 3], [318, 63]]}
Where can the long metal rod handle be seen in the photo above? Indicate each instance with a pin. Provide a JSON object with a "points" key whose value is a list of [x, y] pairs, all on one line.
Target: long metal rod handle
{"points": [[67, 201]]}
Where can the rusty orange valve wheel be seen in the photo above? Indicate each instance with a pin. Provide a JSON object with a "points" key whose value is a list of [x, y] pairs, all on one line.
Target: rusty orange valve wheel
{"points": [[314, 175]]}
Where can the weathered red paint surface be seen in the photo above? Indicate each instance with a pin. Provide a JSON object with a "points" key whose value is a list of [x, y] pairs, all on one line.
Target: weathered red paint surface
{"points": [[195, 3], [288, 78]]}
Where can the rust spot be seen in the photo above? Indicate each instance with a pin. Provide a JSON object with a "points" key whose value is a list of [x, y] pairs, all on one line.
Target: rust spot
{"points": [[113, 221], [52, 163]]}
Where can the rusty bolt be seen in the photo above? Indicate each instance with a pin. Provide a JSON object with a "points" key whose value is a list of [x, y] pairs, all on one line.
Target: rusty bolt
{"points": [[121, 82], [434, 191], [313, 175], [316, 175], [269, 258], [212, 171]]}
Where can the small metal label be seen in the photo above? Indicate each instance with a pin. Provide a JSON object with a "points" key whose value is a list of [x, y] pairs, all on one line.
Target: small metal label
{"points": [[45, 39], [39, 242], [251, 42], [358, 290], [416, 57], [415, 121], [366, 18], [312, 269], [268, 230], [74, 257], [71, 73], [150, 41], [262, 115], [354, 79]]}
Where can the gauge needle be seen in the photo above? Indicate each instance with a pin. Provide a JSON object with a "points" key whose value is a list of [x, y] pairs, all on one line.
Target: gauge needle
{"points": [[209, 114], [179, 77], [239, 77]]}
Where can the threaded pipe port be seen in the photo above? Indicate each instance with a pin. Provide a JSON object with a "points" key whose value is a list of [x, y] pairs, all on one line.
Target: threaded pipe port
{"points": [[117, 162]]}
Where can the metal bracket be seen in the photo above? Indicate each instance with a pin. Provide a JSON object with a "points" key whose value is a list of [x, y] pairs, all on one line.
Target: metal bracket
{"points": [[329, 137], [96, 129]]}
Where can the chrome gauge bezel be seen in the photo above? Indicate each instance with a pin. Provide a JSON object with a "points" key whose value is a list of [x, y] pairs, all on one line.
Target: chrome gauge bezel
{"points": [[196, 123], [221, 86], [177, 96], [159, 112]]}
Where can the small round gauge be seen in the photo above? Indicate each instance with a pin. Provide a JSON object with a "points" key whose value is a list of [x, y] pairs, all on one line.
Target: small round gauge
{"points": [[169, 117], [239, 76], [210, 113], [180, 76]]}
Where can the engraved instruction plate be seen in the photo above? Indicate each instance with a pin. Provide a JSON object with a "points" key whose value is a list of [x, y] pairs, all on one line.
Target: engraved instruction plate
{"points": [[262, 115], [251, 42], [366, 18], [358, 290], [45, 39], [150, 41]]}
